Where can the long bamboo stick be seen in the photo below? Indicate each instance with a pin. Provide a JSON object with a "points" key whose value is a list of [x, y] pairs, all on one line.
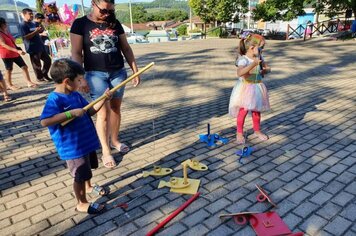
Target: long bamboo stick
{"points": [[90, 105]]}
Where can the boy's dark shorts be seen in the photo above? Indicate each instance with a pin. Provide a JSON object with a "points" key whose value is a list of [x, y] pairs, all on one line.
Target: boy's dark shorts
{"points": [[80, 168], [10, 61]]}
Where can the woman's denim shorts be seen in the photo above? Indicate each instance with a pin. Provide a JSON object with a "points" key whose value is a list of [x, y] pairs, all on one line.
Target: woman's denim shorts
{"points": [[99, 81]]}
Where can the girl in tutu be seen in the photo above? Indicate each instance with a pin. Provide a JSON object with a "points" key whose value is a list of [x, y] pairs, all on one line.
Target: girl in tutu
{"points": [[249, 93]]}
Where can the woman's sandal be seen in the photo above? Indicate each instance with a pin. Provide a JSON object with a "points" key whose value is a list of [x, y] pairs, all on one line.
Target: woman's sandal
{"points": [[99, 191], [123, 148], [108, 161]]}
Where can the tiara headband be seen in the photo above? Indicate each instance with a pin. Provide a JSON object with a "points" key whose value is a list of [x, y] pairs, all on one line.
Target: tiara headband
{"points": [[245, 35]]}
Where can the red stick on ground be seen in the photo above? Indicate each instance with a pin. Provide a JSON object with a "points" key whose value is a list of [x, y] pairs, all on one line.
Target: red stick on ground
{"points": [[174, 214]]}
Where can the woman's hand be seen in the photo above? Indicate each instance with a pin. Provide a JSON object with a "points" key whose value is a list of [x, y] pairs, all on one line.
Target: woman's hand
{"points": [[21, 52], [136, 81]]}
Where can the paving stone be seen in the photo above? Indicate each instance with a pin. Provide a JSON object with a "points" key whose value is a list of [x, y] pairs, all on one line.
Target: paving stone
{"points": [[221, 230], [351, 188], [326, 177], [218, 205], [292, 220], [299, 196], [313, 224], [346, 177], [293, 186], [148, 218], [123, 230], [305, 209], [321, 197], [314, 186], [197, 230], [329, 210], [195, 218], [175, 229], [342, 198], [334, 187], [349, 212], [338, 226]]}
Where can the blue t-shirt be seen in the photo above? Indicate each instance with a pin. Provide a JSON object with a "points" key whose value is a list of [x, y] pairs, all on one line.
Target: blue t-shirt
{"points": [[35, 44], [78, 137]]}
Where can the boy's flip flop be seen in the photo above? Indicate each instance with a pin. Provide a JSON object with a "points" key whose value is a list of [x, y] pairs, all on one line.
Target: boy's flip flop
{"points": [[93, 209], [123, 148], [99, 191]]}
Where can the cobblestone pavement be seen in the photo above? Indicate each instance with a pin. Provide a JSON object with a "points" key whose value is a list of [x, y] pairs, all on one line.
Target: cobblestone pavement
{"points": [[308, 164]]}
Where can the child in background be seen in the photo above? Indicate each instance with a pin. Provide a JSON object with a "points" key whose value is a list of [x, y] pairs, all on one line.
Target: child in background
{"points": [[249, 93], [77, 141], [3, 88]]}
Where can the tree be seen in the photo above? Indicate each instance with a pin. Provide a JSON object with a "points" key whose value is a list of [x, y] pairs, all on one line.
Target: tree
{"points": [[39, 5], [219, 10], [332, 8], [139, 14], [273, 10]]}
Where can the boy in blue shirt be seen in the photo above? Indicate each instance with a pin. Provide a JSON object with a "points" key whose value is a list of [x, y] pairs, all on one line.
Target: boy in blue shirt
{"points": [[77, 141]]}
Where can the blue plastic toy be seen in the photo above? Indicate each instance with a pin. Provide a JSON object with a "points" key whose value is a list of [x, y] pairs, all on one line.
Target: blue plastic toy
{"points": [[244, 152], [212, 139]]}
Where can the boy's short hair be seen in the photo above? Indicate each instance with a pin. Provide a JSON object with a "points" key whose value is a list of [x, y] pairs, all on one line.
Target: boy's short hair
{"points": [[65, 68], [39, 16], [26, 10]]}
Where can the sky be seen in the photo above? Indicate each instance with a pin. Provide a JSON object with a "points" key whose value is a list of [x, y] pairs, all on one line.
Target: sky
{"points": [[32, 3]]}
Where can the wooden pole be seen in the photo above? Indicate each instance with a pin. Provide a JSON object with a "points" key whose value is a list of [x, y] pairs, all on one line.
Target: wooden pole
{"points": [[90, 105]]}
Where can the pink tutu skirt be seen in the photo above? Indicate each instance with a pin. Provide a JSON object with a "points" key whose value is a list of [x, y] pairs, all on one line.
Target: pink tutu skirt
{"points": [[250, 96]]}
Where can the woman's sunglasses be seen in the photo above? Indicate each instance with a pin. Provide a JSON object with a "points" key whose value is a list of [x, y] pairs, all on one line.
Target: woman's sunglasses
{"points": [[104, 11]]}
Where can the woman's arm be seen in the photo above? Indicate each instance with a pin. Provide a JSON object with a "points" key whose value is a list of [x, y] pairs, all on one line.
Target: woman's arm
{"points": [[77, 47], [130, 58], [4, 45]]}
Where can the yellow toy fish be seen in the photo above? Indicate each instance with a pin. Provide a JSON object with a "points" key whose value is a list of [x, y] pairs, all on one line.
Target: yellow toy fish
{"points": [[158, 171]]}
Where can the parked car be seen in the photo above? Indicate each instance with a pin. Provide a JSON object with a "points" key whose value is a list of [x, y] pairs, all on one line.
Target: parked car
{"points": [[135, 38]]}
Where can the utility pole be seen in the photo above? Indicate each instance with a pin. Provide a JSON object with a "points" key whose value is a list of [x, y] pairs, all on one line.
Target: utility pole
{"points": [[17, 12], [131, 16], [249, 14], [83, 7]]}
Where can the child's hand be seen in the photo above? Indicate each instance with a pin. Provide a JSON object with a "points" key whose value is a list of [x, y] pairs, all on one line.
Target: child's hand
{"points": [[257, 61], [79, 112], [108, 94]]}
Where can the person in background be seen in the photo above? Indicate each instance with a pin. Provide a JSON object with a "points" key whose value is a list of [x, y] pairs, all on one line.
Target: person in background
{"points": [[3, 89], [34, 45], [10, 54], [44, 35]]}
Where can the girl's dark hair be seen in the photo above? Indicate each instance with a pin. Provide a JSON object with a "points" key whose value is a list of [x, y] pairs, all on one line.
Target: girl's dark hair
{"points": [[65, 68], [249, 41]]}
